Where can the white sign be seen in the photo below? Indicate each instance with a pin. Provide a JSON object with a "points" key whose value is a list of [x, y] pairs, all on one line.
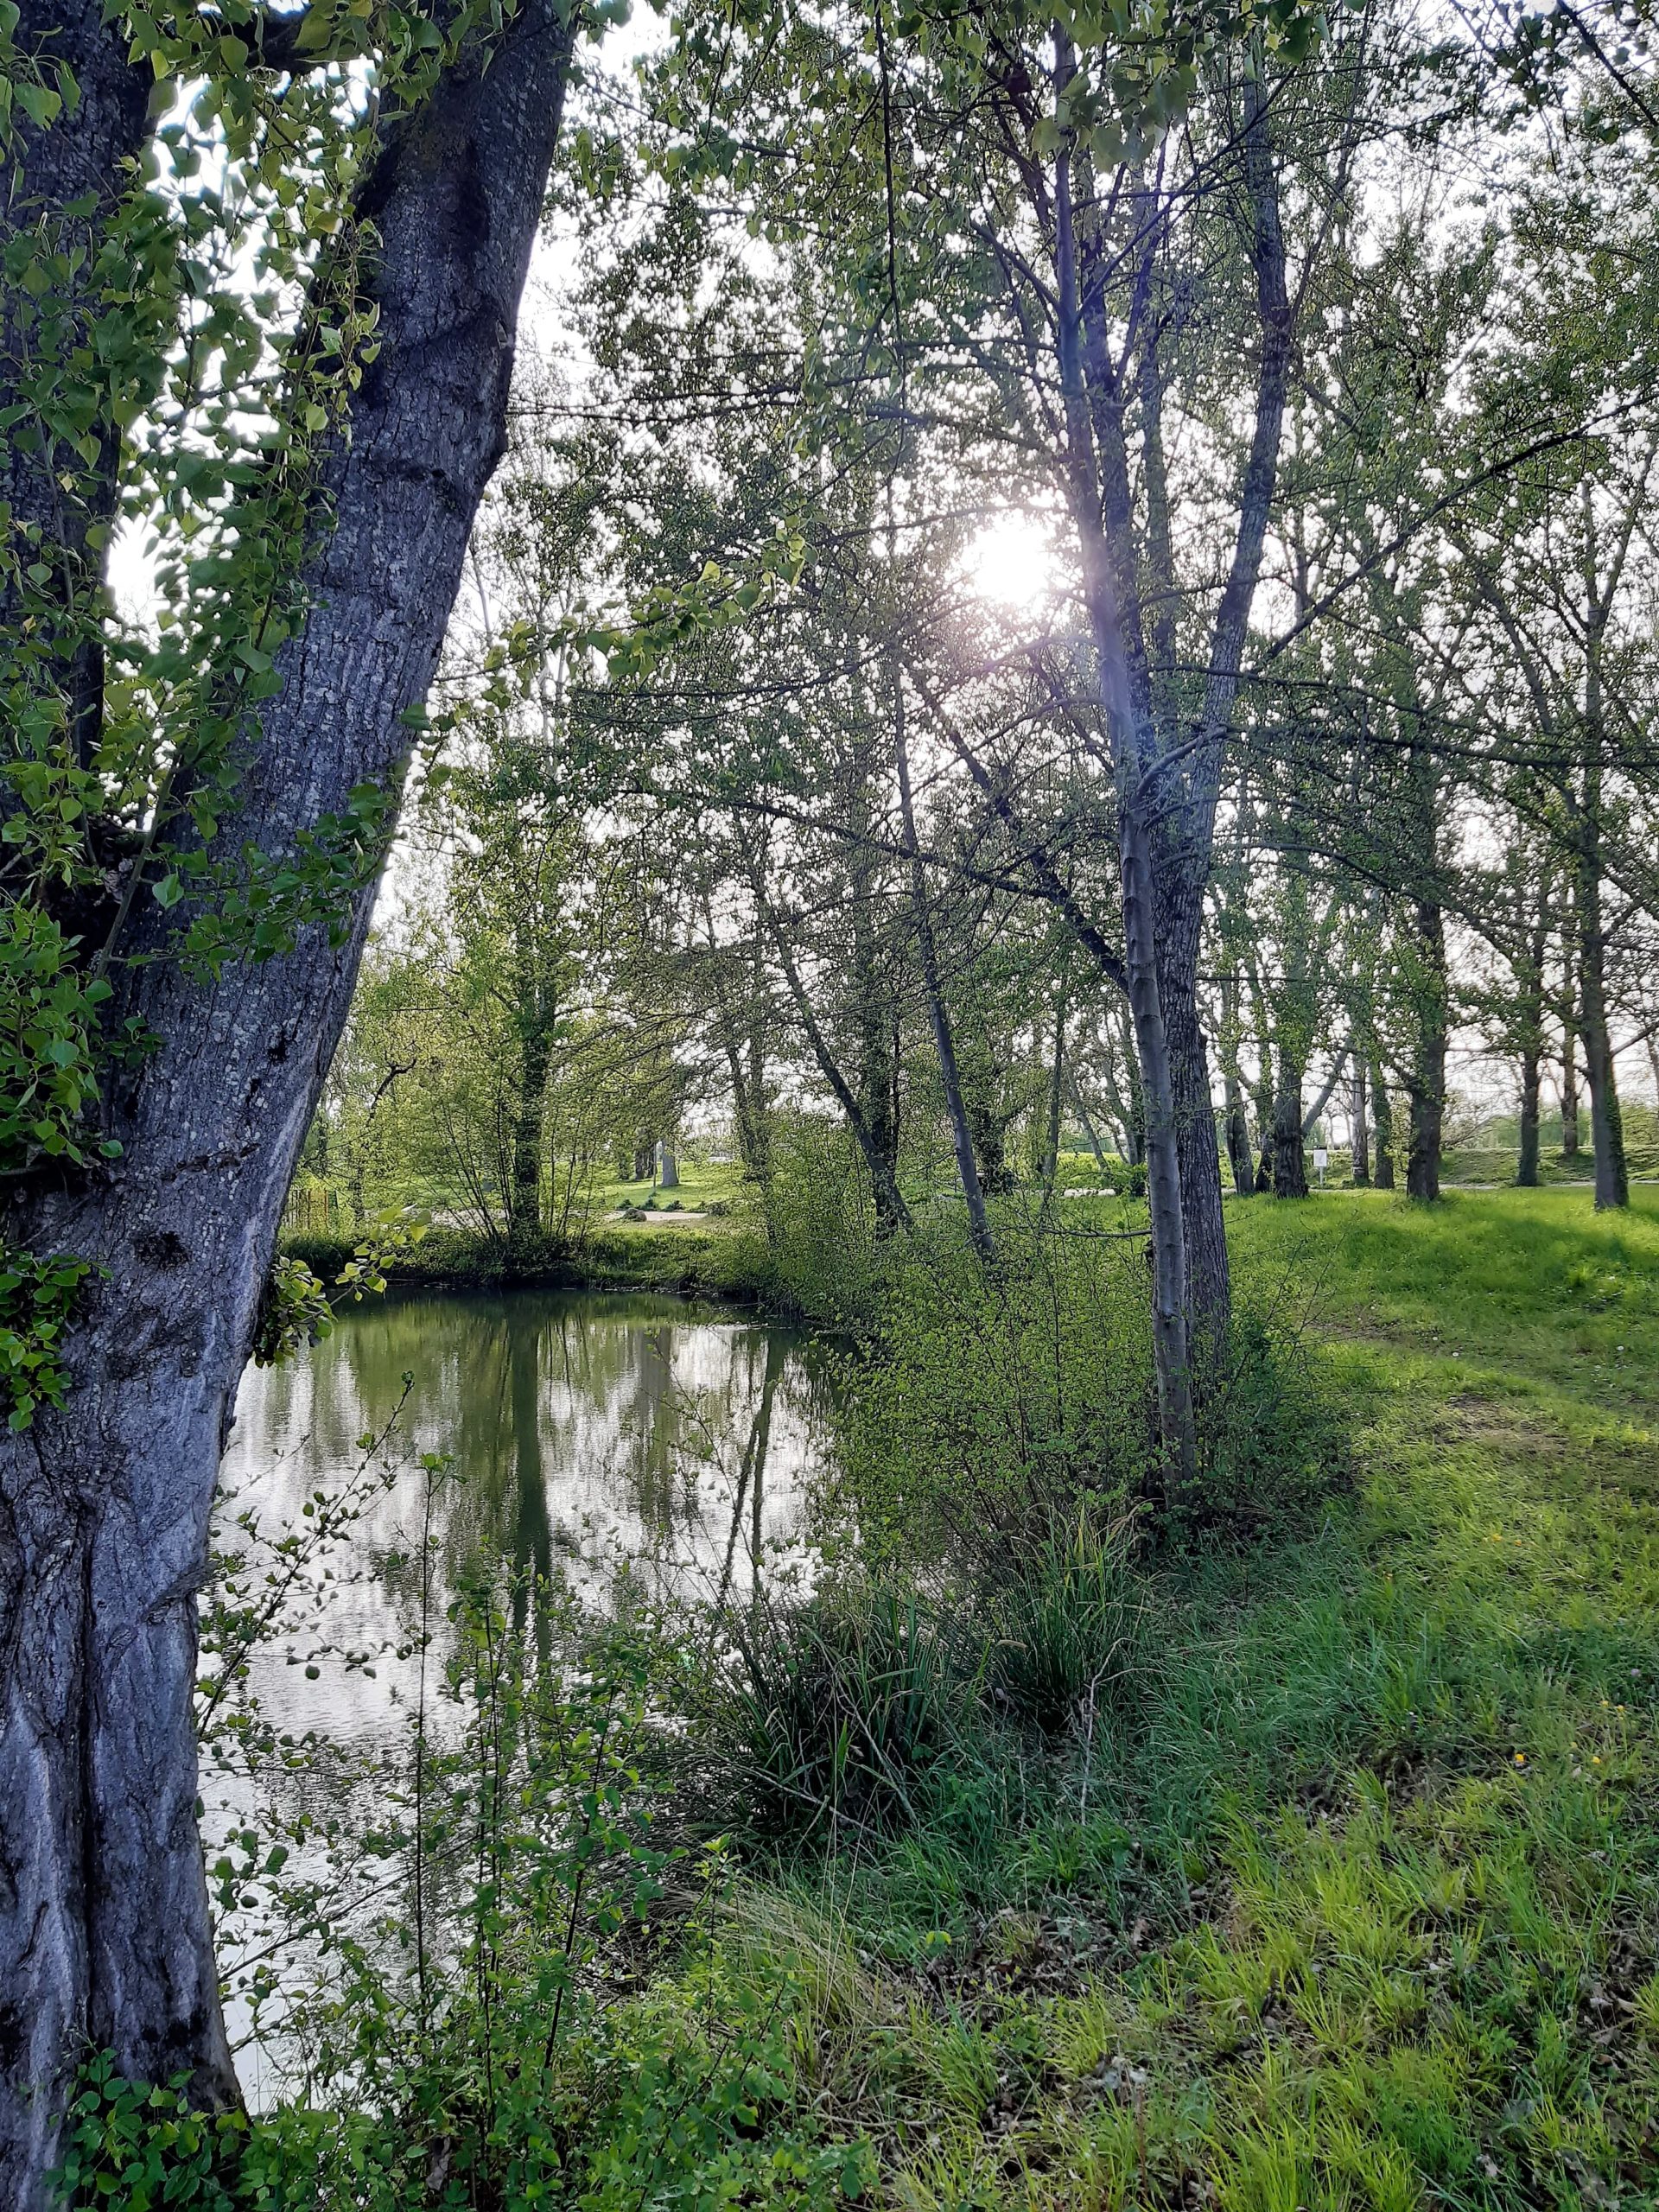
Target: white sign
{"points": [[1321, 1160]]}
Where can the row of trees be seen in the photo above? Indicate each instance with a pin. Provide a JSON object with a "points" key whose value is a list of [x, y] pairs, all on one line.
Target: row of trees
{"points": [[869, 834]]}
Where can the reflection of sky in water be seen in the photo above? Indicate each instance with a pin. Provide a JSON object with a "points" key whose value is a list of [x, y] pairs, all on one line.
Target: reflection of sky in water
{"points": [[583, 1429]]}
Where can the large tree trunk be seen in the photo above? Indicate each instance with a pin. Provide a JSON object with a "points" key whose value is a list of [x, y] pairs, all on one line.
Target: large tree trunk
{"points": [[1289, 1161], [104, 1937], [1526, 1170], [1239, 1157], [1382, 1127], [48, 486]]}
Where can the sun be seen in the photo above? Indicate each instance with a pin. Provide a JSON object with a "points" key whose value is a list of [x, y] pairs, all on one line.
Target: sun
{"points": [[1011, 562]]}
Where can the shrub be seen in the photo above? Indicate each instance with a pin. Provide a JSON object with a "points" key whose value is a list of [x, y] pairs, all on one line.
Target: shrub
{"points": [[505, 2027], [825, 1265], [989, 1402], [1276, 1444]]}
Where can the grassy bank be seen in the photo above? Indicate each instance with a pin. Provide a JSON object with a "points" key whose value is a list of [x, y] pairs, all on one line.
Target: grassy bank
{"points": [[714, 1259], [1338, 1889], [1354, 1902]]}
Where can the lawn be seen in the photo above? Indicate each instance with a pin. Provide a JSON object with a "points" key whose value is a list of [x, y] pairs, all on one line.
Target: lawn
{"points": [[701, 1184], [1358, 1907]]}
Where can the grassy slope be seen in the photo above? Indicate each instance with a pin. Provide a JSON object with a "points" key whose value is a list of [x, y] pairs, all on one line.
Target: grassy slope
{"points": [[1358, 1909]]}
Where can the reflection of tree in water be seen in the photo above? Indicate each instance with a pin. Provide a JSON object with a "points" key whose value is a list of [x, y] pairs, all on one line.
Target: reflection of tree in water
{"points": [[573, 1421], [751, 1486]]}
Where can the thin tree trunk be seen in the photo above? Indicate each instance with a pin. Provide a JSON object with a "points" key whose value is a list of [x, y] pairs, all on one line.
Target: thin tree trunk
{"points": [[1089, 1129], [1531, 981], [891, 1211], [962, 1136], [1569, 1095], [1311, 1119], [524, 1198], [1184, 853], [1056, 1082], [104, 1934], [1382, 1127], [1358, 1112], [1171, 1301], [1607, 1122], [1235, 1125]]}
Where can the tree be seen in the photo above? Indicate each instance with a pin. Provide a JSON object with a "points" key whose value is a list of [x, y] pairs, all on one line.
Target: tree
{"points": [[193, 894]]}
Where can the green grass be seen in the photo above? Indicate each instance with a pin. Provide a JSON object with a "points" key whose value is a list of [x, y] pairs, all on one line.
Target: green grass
{"points": [[1355, 1905], [700, 1184]]}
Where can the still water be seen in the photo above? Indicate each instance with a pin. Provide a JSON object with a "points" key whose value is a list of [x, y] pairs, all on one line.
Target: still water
{"points": [[577, 1429], [559, 1434]]}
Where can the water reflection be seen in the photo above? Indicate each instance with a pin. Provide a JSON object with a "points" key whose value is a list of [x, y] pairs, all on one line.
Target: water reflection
{"points": [[581, 1429]]}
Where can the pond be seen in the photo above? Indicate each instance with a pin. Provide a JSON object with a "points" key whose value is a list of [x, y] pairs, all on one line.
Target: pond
{"points": [[546, 1434], [579, 1429]]}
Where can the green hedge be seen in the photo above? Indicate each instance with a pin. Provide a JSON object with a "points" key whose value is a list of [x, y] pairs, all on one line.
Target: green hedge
{"points": [[715, 1263]]}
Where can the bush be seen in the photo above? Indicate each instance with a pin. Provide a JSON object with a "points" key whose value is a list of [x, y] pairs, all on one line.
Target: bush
{"points": [[989, 1403], [824, 1265], [1276, 1444], [505, 2026]]}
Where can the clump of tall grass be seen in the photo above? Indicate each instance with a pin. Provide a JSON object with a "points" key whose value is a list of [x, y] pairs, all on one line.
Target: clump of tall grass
{"points": [[830, 1717], [1066, 1624]]}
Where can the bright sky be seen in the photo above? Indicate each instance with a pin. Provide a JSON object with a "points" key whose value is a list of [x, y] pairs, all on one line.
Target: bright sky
{"points": [[1011, 562]]}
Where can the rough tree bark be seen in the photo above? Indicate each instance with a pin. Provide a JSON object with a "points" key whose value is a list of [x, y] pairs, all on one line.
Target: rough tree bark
{"points": [[1235, 1125], [83, 164], [1289, 1162], [1382, 1127], [104, 1937], [1570, 1095], [1612, 1182], [1426, 1077], [1239, 1159]]}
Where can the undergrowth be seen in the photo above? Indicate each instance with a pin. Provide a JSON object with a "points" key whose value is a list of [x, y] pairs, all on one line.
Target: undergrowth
{"points": [[1316, 1870]]}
